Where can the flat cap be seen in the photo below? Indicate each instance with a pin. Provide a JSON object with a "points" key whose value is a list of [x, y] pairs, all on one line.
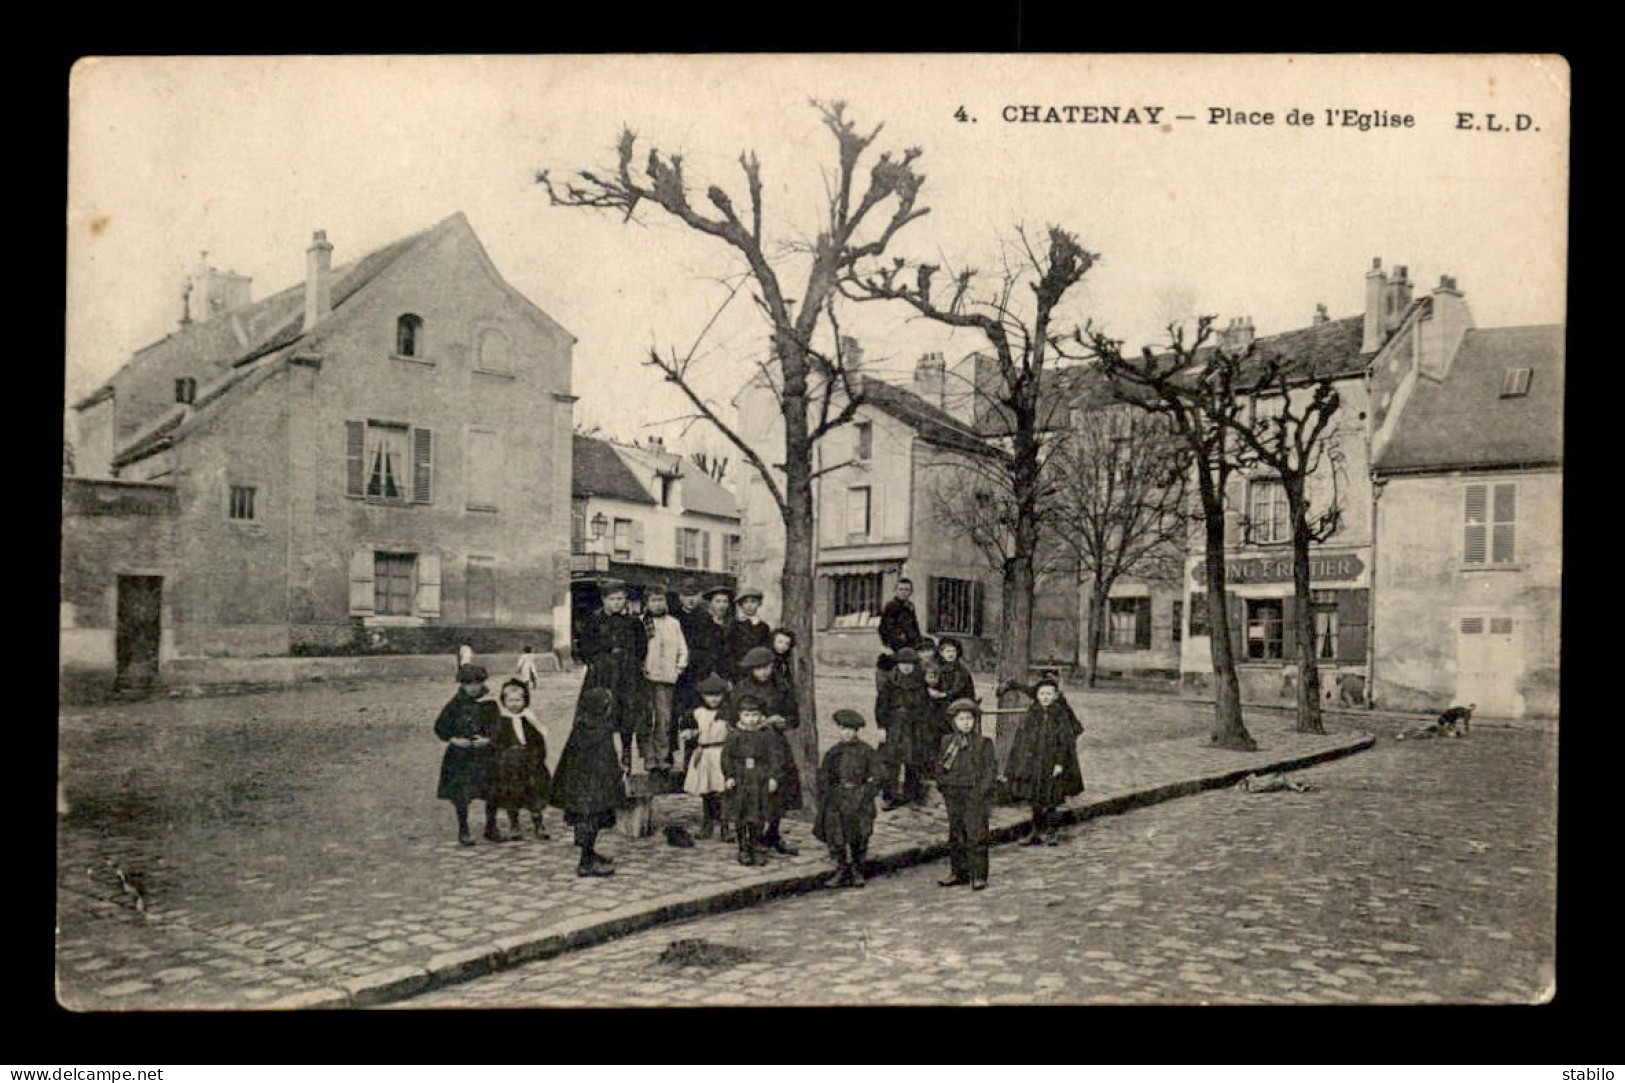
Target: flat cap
{"points": [[907, 654], [469, 673], [851, 720], [748, 592], [757, 656], [712, 686]]}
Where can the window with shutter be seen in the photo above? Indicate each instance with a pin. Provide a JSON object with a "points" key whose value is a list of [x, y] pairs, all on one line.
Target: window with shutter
{"points": [[1474, 511], [355, 458], [622, 539], [1266, 628], [637, 540], [363, 602], [1142, 624], [1199, 625], [1503, 539], [1353, 620], [422, 466], [705, 548], [428, 585], [1179, 620], [679, 550], [393, 588]]}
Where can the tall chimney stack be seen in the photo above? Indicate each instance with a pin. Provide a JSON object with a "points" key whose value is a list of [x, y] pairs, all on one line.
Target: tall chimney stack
{"points": [[931, 378], [1321, 315], [1396, 301], [1376, 288], [318, 279], [851, 354]]}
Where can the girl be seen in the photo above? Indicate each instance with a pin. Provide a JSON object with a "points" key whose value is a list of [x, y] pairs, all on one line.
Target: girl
{"points": [[966, 769], [522, 779], [913, 729], [705, 775], [784, 662], [750, 762], [779, 707], [1043, 765], [467, 723], [953, 681], [589, 783]]}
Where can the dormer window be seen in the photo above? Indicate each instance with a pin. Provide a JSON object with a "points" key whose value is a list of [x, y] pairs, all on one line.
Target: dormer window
{"points": [[668, 486], [1516, 383], [409, 336], [186, 390]]}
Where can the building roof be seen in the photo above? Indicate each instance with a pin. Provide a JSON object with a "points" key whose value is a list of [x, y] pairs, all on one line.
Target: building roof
{"points": [[1464, 422], [700, 494], [934, 425], [597, 470]]}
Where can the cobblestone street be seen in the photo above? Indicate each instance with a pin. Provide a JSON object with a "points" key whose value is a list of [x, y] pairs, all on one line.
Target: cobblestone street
{"points": [[286, 847], [1419, 872]]}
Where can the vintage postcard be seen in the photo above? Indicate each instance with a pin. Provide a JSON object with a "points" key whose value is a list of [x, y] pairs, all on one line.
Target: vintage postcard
{"points": [[811, 530]]}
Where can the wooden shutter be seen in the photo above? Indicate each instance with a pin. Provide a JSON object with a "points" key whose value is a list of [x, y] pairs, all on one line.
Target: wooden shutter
{"points": [[637, 540], [1142, 623], [929, 607], [677, 553], [823, 601], [976, 607], [1474, 510], [355, 468], [428, 603], [423, 468], [1353, 614], [1289, 627], [1503, 541], [705, 549], [362, 603]]}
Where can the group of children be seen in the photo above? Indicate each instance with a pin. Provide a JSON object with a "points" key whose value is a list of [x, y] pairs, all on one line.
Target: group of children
{"points": [[740, 764]]}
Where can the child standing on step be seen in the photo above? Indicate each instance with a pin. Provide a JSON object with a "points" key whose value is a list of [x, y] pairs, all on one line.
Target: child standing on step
{"points": [[967, 767], [1043, 767], [751, 764], [522, 778], [705, 776], [467, 771], [848, 780]]}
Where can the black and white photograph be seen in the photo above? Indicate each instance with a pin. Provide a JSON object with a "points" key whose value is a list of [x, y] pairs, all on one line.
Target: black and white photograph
{"points": [[811, 530]]}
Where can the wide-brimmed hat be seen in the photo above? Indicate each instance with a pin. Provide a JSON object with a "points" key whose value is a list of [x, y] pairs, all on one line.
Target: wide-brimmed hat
{"points": [[757, 656], [851, 720], [469, 673], [907, 654], [964, 705], [748, 592], [688, 587], [714, 591], [712, 686]]}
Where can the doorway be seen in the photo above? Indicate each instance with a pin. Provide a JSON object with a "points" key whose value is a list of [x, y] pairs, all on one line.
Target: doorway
{"points": [[140, 621], [1489, 665]]}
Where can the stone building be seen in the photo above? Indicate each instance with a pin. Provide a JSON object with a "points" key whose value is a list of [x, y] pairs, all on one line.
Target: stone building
{"points": [[374, 460]]}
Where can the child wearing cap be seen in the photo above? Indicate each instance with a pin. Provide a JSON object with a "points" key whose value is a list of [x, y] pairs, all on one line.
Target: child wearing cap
{"points": [[467, 770], [967, 768], [522, 778], [1043, 767], [710, 731], [751, 765], [748, 629], [757, 680], [847, 782]]}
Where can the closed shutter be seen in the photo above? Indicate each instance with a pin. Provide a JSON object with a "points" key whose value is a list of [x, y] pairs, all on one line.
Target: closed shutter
{"points": [[355, 468], [1474, 514], [637, 540], [423, 467], [678, 557], [929, 607], [361, 597], [1289, 626], [428, 604], [1353, 613], [705, 549], [1503, 547], [1142, 623], [976, 608]]}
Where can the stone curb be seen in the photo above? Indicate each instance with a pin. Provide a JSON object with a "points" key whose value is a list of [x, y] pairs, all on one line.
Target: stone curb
{"points": [[590, 930]]}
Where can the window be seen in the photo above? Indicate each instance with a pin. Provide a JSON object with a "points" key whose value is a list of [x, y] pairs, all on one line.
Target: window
{"points": [[668, 484], [1490, 516], [492, 352], [1128, 623], [731, 544], [388, 462], [865, 445], [855, 599], [186, 390], [480, 590], [1267, 518], [623, 539], [484, 469], [409, 336], [1199, 617], [693, 547], [392, 575], [241, 504], [1265, 629], [578, 526], [858, 509], [956, 606], [1516, 383], [1325, 608], [1179, 619]]}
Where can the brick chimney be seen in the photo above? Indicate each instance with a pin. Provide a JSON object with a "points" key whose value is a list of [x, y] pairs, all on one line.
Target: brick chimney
{"points": [[318, 279], [1237, 335], [851, 354], [1396, 301], [1442, 331], [1321, 315], [931, 378], [1376, 289], [211, 292]]}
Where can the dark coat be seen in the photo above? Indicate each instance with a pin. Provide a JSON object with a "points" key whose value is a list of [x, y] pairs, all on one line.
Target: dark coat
{"points": [[689, 620], [587, 784], [614, 646], [954, 682], [742, 636], [708, 650], [848, 780], [974, 769], [912, 723], [522, 778], [750, 758], [899, 627], [467, 774], [1046, 738], [779, 701]]}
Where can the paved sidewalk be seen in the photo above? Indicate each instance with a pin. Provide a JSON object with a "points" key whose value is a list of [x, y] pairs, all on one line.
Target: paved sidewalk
{"points": [[442, 913]]}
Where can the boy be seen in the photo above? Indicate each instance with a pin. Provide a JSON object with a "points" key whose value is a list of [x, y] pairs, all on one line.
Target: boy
{"points": [[903, 710], [779, 710], [748, 630], [468, 770], [966, 771], [750, 763], [525, 668], [664, 663], [847, 781]]}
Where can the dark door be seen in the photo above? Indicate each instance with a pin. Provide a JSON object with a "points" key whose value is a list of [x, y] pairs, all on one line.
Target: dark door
{"points": [[140, 604]]}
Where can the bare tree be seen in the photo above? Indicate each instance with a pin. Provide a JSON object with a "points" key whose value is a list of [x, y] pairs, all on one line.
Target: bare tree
{"points": [[711, 465], [1192, 385], [1024, 344], [816, 391], [1120, 504], [1289, 434]]}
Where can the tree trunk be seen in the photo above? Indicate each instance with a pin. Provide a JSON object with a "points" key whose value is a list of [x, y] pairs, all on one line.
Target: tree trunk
{"points": [[1309, 717], [1016, 620], [1228, 728], [796, 588], [1097, 625]]}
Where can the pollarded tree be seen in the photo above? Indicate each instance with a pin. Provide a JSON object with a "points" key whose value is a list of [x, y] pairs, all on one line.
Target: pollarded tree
{"points": [[815, 388]]}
